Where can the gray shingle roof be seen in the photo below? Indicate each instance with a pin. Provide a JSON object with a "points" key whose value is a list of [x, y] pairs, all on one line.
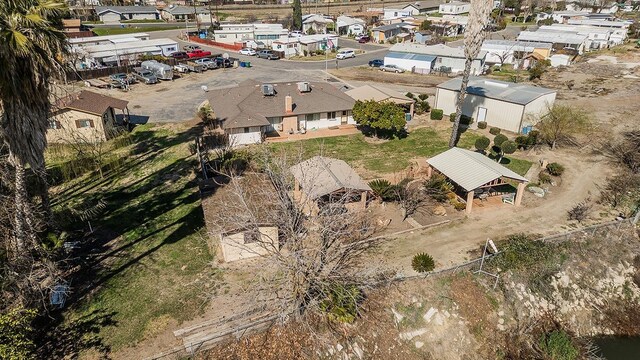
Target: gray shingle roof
{"points": [[500, 90], [320, 176], [245, 105], [420, 5], [127, 9], [185, 10], [469, 169]]}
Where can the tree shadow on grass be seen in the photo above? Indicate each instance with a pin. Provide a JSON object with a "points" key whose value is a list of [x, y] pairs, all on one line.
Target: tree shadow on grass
{"points": [[68, 340]]}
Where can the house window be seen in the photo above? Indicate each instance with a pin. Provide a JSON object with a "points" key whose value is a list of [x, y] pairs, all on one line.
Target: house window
{"points": [[53, 124], [246, 130], [331, 115], [312, 117], [251, 237], [85, 123]]}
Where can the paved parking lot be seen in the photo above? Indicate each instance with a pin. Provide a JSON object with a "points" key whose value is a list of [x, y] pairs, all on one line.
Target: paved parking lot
{"points": [[177, 100]]}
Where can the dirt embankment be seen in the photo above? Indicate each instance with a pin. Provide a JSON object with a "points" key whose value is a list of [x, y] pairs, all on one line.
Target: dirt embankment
{"points": [[578, 288]]}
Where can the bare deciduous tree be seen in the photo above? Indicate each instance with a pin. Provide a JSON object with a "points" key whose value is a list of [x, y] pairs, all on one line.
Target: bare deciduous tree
{"points": [[320, 244], [562, 123]]}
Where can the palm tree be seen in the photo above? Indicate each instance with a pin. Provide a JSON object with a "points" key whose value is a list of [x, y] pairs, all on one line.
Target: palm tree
{"points": [[474, 34], [31, 49]]}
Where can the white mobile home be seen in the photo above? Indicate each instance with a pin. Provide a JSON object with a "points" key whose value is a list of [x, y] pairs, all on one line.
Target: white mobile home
{"points": [[454, 8], [511, 52], [440, 57], [505, 105], [107, 39], [124, 51]]}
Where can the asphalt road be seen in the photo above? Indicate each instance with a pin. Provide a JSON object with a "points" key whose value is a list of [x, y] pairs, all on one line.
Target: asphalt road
{"points": [[372, 51]]}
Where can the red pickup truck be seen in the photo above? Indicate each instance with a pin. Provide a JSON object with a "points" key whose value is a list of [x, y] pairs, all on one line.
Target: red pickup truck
{"points": [[198, 53]]}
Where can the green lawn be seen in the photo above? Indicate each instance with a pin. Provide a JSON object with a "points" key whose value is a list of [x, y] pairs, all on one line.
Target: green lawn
{"points": [[150, 261], [130, 29], [384, 157]]}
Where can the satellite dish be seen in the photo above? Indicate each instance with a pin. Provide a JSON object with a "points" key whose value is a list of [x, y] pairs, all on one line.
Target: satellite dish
{"points": [[205, 88], [225, 55]]}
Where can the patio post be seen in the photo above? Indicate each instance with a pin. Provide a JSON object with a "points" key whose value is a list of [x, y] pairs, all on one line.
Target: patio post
{"points": [[519, 193], [363, 200], [429, 171], [469, 202]]}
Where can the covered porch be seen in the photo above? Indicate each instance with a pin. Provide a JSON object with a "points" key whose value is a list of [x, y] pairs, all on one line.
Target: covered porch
{"points": [[477, 178]]}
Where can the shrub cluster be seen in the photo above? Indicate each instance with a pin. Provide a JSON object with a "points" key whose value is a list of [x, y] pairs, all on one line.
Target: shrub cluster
{"points": [[437, 114], [482, 125], [494, 131], [464, 119], [555, 169]]}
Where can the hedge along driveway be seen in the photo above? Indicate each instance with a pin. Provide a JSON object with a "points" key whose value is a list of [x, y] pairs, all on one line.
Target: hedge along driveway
{"points": [[379, 157]]}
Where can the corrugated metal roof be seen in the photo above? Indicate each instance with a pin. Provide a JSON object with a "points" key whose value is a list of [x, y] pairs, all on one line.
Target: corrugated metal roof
{"points": [[409, 56], [435, 50], [558, 37], [500, 90], [320, 176], [469, 169]]}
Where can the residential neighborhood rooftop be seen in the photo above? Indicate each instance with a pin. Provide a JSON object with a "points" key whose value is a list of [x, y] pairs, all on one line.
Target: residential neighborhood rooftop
{"points": [[494, 89], [436, 50], [245, 105], [470, 169], [370, 92], [90, 102], [126, 9], [321, 176], [518, 44], [561, 37]]}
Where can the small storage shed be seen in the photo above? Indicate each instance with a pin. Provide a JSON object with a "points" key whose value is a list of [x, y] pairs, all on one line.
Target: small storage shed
{"points": [[237, 229], [475, 174], [320, 179]]}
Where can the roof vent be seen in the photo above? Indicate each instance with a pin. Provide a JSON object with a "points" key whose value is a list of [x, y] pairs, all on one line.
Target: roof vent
{"points": [[267, 90], [304, 87], [494, 83]]}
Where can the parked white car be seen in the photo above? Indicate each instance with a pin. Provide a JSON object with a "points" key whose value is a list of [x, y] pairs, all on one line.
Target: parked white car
{"points": [[181, 68], [345, 54], [391, 68], [207, 63], [247, 51], [296, 33]]}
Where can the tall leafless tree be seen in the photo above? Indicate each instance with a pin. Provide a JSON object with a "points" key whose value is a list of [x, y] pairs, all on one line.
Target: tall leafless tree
{"points": [[320, 245], [479, 17]]}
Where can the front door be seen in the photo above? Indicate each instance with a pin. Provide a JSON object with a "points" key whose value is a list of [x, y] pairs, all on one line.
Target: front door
{"points": [[482, 114]]}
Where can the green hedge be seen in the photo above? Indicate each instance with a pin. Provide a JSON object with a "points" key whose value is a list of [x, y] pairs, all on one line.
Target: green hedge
{"points": [[437, 114], [482, 125], [464, 119]]}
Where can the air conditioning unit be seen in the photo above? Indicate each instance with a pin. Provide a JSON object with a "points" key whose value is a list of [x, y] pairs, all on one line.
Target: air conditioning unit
{"points": [[268, 90], [304, 87]]}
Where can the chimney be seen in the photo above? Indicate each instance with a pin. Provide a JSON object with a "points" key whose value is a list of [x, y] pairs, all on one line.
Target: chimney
{"points": [[288, 104]]}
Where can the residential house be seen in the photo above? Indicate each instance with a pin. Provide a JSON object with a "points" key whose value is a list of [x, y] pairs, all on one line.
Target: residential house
{"points": [[512, 52], [316, 24], [287, 47], [422, 36], [448, 25], [505, 105], [476, 177], [377, 93], [187, 13], [311, 43], [348, 25], [108, 39], [321, 180], [597, 6], [235, 236], [384, 33], [395, 13], [244, 33], [597, 37], [565, 15], [423, 7], [559, 40], [85, 117], [115, 14], [250, 110], [117, 52], [454, 8], [428, 58], [618, 29]]}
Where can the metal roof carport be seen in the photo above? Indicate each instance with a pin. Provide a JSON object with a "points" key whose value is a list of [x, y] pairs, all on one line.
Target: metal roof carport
{"points": [[473, 171]]}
